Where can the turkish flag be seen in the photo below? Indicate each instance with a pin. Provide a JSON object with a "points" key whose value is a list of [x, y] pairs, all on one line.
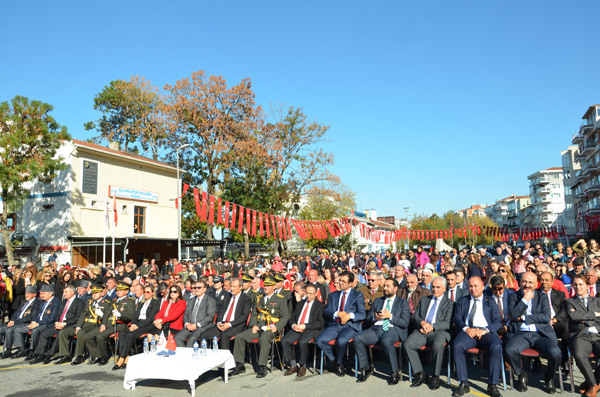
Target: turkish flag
{"points": [[233, 214], [197, 200], [211, 209], [185, 189], [115, 208], [226, 220], [267, 225], [248, 222], [204, 207], [240, 219], [171, 345], [253, 223], [219, 212], [260, 222], [289, 226]]}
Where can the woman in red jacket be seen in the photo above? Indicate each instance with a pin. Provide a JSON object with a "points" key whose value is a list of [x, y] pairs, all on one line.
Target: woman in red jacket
{"points": [[171, 312]]}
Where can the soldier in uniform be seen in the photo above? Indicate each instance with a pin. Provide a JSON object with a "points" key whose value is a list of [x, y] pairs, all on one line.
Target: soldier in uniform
{"points": [[267, 321], [118, 315], [247, 289], [280, 279], [89, 320]]}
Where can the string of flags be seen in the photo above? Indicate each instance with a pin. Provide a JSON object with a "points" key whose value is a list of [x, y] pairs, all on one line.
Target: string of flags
{"points": [[215, 211]]}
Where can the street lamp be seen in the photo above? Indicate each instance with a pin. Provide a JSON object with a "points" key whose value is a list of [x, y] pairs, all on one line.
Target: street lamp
{"points": [[180, 203], [407, 234]]}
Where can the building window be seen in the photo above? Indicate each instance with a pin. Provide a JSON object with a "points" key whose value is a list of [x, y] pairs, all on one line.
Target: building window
{"points": [[139, 220]]}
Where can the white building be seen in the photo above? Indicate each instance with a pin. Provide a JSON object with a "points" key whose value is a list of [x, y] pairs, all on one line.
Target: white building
{"points": [[570, 166], [74, 213], [547, 198]]}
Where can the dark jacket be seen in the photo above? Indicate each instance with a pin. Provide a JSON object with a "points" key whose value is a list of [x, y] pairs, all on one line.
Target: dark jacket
{"points": [[316, 322], [355, 303], [540, 314]]}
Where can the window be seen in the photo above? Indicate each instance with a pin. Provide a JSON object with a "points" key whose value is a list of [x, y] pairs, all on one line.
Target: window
{"points": [[47, 207], [124, 209], [139, 220]]}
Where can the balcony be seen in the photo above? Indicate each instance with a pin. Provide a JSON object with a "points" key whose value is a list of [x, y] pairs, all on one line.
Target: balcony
{"points": [[546, 199], [594, 210], [586, 127], [544, 190], [541, 181], [588, 148], [579, 176], [546, 210], [577, 139]]}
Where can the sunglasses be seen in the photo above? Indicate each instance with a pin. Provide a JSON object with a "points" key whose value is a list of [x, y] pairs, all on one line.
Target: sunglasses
{"points": [[498, 289], [174, 292], [502, 271], [196, 287]]}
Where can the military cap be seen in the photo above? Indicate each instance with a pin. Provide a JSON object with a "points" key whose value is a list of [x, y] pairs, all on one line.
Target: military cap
{"points": [[246, 278], [269, 281], [97, 288], [279, 277], [218, 279], [123, 286]]}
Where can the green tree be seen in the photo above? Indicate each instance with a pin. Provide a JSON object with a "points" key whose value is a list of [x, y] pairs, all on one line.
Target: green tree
{"points": [[29, 140], [131, 115]]}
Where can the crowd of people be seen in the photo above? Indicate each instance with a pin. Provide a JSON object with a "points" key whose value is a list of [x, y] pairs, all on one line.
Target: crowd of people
{"points": [[503, 301]]}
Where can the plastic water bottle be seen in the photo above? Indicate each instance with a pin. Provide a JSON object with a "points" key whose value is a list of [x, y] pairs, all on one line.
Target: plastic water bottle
{"points": [[196, 353], [215, 345], [146, 350], [203, 352], [153, 345]]}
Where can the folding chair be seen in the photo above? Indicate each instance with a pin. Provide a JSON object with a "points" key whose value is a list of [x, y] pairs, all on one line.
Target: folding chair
{"points": [[397, 345], [314, 353], [333, 342], [481, 352]]}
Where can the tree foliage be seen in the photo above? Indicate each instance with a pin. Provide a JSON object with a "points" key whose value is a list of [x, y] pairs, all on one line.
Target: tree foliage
{"points": [[29, 140], [131, 116]]}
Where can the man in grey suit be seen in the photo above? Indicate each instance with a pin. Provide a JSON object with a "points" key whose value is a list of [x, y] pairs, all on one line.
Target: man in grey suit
{"points": [[199, 314], [530, 329], [432, 321], [389, 317]]}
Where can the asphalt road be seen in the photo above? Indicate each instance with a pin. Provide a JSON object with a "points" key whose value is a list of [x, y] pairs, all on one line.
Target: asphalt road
{"points": [[19, 379]]}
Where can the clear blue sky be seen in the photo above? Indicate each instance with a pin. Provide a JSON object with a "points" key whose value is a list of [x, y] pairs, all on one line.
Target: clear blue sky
{"points": [[433, 105]]}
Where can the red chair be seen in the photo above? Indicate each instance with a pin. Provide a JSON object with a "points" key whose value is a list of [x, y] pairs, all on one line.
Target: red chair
{"points": [[531, 353], [397, 345], [481, 353], [314, 353], [333, 343], [428, 349]]}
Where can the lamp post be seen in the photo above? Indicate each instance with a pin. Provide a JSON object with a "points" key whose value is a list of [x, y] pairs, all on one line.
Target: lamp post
{"points": [[407, 234], [180, 203]]}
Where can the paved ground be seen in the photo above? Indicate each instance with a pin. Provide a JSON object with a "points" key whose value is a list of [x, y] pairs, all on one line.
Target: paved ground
{"points": [[21, 379]]}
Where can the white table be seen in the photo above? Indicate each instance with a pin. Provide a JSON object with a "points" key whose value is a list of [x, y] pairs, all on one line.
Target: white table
{"points": [[180, 366]]}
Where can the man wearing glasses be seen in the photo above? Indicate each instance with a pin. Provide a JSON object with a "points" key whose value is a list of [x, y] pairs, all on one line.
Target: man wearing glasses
{"points": [[199, 313], [373, 291], [501, 295]]}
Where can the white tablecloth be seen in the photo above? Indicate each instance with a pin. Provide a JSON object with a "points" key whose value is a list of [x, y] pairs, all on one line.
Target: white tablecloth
{"points": [[178, 366]]}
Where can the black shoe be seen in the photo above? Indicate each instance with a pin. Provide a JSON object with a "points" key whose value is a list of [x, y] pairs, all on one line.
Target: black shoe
{"points": [[20, 353], [31, 356], [103, 361], [65, 359], [339, 370], [38, 358], [434, 382], [462, 388], [240, 368], [550, 388], [262, 372], [419, 379], [522, 382], [78, 360], [493, 391], [6, 354], [537, 366], [116, 367], [93, 361], [364, 374], [395, 378], [47, 359]]}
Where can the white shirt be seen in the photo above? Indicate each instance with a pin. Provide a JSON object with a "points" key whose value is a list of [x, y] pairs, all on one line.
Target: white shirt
{"points": [[479, 320], [237, 299], [144, 309], [385, 302], [351, 263], [306, 308], [347, 293], [525, 326]]}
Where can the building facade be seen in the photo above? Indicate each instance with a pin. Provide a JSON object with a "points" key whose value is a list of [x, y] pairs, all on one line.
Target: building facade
{"points": [[547, 198], [570, 167], [74, 215], [508, 211]]}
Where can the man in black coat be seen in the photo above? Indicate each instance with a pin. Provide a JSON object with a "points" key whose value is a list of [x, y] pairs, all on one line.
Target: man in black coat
{"points": [[306, 324], [558, 316]]}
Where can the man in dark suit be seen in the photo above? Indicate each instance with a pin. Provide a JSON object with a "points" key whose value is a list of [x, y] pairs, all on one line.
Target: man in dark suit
{"points": [[583, 312], [344, 311], [306, 324], [217, 292], [530, 329], [413, 292], [324, 262], [24, 315], [453, 292], [477, 318], [68, 313], [312, 279], [199, 314], [389, 317], [501, 295], [432, 322], [354, 261], [43, 319], [232, 318], [558, 319], [591, 274], [84, 288]]}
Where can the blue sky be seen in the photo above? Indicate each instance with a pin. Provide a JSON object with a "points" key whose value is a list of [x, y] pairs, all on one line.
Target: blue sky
{"points": [[433, 105]]}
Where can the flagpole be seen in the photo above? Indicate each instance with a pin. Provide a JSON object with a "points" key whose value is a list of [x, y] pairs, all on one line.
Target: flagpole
{"points": [[113, 229], [104, 234]]}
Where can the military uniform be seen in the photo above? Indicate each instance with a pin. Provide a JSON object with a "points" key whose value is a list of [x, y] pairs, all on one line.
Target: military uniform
{"points": [[88, 321], [95, 340], [253, 294], [275, 307]]}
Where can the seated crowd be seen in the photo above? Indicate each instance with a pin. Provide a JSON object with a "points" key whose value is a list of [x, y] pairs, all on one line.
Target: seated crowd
{"points": [[502, 303]]}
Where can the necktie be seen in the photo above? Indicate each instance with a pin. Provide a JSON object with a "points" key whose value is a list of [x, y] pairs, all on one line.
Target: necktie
{"points": [[411, 306], [25, 306], [43, 310], [386, 321], [452, 295], [343, 302], [64, 313], [500, 307], [304, 313], [230, 311], [592, 292], [472, 314], [429, 318], [194, 310]]}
